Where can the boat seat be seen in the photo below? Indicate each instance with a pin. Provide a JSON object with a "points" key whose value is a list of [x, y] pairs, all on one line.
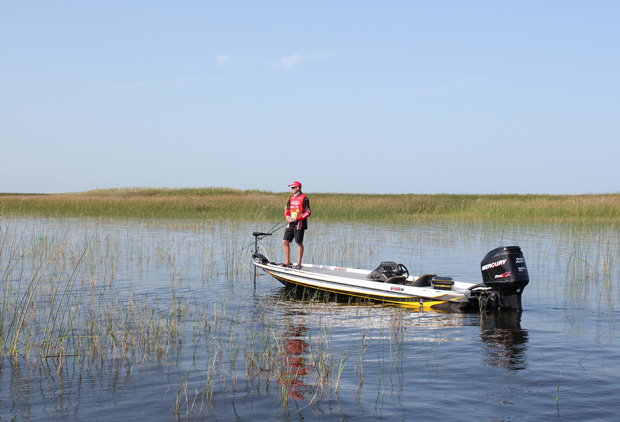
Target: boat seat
{"points": [[423, 281], [384, 272]]}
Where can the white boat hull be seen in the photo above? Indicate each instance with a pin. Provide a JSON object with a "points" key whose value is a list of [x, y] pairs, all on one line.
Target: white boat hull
{"points": [[504, 276], [353, 283]]}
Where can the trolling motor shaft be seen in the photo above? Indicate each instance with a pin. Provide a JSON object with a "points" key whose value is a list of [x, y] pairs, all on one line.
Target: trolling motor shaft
{"points": [[258, 236]]}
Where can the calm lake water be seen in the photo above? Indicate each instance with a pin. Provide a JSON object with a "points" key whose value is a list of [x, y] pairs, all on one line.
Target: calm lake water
{"points": [[163, 320]]}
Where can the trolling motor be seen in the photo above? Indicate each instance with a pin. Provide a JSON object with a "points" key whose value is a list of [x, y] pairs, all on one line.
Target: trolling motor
{"points": [[258, 257], [504, 271]]}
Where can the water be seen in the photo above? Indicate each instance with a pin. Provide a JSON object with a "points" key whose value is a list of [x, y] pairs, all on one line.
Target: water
{"points": [[162, 320]]}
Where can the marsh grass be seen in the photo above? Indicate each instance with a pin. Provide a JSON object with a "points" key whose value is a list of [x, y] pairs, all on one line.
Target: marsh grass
{"points": [[63, 302], [71, 298], [591, 260], [224, 203], [58, 298]]}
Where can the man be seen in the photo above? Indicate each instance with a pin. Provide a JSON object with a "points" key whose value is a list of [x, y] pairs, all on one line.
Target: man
{"points": [[296, 213]]}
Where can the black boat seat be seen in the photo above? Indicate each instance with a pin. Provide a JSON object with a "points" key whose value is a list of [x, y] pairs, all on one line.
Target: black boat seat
{"points": [[424, 280], [386, 271]]}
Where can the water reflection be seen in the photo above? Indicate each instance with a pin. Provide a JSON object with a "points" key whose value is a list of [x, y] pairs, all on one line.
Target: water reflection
{"points": [[506, 341], [294, 364]]}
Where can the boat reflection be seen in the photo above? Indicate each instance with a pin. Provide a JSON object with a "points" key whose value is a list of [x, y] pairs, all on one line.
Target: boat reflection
{"points": [[505, 340]]}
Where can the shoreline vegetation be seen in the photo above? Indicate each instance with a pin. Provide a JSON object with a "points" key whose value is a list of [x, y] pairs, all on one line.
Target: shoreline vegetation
{"points": [[233, 204]]}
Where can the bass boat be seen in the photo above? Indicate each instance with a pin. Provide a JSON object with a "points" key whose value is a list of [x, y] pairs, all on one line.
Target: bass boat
{"points": [[504, 275]]}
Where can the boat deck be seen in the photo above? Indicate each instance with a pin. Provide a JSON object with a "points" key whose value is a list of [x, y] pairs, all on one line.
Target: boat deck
{"points": [[342, 272], [320, 269]]}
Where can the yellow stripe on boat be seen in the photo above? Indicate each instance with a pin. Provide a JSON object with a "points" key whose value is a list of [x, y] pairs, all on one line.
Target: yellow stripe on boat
{"points": [[408, 302]]}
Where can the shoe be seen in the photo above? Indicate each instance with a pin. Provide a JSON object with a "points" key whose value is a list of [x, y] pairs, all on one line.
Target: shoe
{"points": [[298, 267], [286, 266]]}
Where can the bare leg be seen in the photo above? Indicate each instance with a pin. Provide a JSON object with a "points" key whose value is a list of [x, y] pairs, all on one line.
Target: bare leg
{"points": [[287, 252], [301, 253]]}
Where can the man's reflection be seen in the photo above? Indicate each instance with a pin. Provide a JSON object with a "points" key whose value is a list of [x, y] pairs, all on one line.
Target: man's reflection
{"points": [[293, 360]]}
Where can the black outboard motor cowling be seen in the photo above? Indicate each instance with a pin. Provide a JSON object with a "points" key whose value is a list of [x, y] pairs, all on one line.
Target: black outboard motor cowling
{"points": [[503, 269]]}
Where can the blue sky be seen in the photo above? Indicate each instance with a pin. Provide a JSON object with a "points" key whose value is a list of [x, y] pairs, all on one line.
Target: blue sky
{"points": [[351, 96]]}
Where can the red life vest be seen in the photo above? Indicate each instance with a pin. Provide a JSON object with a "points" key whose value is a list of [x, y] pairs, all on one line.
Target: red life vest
{"points": [[295, 208]]}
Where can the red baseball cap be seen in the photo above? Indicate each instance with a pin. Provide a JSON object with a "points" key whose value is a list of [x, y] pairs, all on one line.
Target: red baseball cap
{"points": [[295, 185]]}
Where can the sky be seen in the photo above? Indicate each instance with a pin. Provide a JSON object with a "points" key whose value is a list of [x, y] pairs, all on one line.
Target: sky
{"points": [[423, 97]]}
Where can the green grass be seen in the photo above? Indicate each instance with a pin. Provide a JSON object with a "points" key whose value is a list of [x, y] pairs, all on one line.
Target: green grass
{"points": [[226, 203]]}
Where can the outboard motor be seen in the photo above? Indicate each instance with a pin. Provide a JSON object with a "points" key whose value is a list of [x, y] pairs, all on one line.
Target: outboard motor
{"points": [[504, 270]]}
